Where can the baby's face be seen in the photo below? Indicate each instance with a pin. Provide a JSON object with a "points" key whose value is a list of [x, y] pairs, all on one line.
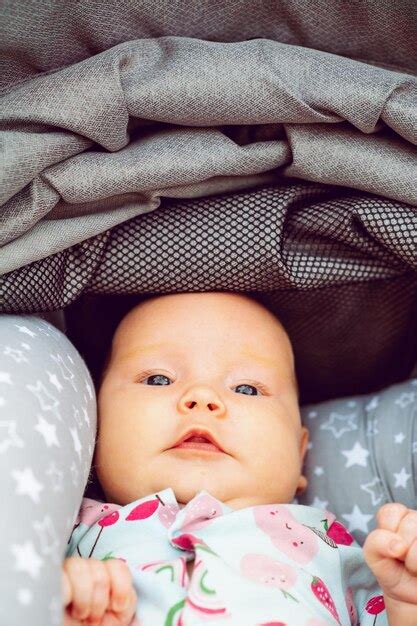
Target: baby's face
{"points": [[214, 363]]}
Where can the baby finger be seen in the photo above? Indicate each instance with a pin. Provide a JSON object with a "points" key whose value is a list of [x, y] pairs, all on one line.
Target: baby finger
{"points": [[79, 574], [125, 617], [121, 584], [131, 607], [408, 527], [411, 559], [101, 592], [390, 515]]}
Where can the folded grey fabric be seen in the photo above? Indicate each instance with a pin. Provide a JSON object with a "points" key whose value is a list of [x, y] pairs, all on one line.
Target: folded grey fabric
{"points": [[103, 139], [44, 36]]}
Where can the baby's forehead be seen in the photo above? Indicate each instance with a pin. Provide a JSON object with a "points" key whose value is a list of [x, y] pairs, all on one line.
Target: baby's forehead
{"points": [[211, 313], [236, 327]]}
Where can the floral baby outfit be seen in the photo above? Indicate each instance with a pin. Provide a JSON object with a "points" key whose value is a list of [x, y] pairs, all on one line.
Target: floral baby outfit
{"points": [[265, 565]]}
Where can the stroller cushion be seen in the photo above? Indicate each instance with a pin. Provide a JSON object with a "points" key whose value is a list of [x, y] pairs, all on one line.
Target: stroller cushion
{"points": [[363, 452]]}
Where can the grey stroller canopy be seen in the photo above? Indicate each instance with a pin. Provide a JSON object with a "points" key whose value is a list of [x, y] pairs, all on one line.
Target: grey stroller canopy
{"points": [[260, 147]]}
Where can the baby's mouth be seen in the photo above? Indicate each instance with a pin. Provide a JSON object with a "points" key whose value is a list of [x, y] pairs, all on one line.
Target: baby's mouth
{"points": [[197, 442]]}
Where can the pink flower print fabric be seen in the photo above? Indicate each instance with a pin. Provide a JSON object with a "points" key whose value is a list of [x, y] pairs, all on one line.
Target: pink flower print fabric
{"points": [[260, 566]]}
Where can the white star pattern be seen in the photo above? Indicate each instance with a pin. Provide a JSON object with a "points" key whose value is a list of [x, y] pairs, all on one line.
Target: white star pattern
{"points": [[90, 391], [310, 445], [77, 416], [27, 559], [339, 424], [5, 378], [356, 456], [74, 473], [48, 537], [71, 523], [55, 610], [86, 418], [17, 355], [57, 477], [357, 520], [372, 427], [371, 488], [66, 373], [27, 485], [48, 432], [87, 468], [43, 330], [414, 447], [10, 438], [399, 437], [373, 404], [401, 478], [319, 504], [47, 401], [53, 379], [68, 524], [312, 414], [24, 596], [405, 399], [318, 471], [76, 441], [26, 346], [23, 329]]}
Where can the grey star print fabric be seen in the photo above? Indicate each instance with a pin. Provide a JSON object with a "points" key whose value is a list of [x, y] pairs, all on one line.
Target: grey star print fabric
{"points": [[362, 454], [47, 434]]}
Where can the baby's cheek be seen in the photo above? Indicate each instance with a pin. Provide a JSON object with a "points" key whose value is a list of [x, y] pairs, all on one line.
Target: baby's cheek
{"points": [[286, 463]]}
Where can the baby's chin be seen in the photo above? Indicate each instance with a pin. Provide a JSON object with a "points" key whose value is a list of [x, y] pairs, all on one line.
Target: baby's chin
{"points": [[187, 487], [229, 492]]}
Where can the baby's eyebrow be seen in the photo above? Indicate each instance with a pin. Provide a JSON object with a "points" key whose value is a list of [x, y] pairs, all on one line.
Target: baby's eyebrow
{"points": [[264, 360], [136, 351]]}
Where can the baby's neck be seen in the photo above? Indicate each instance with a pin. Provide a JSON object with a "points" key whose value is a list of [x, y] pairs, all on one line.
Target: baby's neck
{"points": [[242, 503]]}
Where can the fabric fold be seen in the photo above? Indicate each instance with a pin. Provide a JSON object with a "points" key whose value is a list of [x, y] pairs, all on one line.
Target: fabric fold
{"points": [[153, 114]]}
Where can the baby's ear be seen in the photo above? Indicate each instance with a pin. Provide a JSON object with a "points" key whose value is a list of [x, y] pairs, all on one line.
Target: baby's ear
{"points": [[302, 481], [302, 485], [303, 442]]}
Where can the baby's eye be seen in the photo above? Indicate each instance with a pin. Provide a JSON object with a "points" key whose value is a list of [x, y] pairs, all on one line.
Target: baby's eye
{"points": [[248, 390], [157, 379]]}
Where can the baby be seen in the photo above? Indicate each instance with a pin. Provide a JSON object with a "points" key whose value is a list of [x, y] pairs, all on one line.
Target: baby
{"points": [[199, 453]]}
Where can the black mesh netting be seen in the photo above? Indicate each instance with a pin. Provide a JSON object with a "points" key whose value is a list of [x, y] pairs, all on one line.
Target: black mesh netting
{"points": [[336, 265]]}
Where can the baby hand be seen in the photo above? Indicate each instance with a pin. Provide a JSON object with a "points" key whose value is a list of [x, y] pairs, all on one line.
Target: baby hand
{"points": [[391, 553], [99, 592]]}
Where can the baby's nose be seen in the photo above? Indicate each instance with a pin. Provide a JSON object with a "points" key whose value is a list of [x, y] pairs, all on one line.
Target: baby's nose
{"points": [[202, 398], [212, 406]]}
